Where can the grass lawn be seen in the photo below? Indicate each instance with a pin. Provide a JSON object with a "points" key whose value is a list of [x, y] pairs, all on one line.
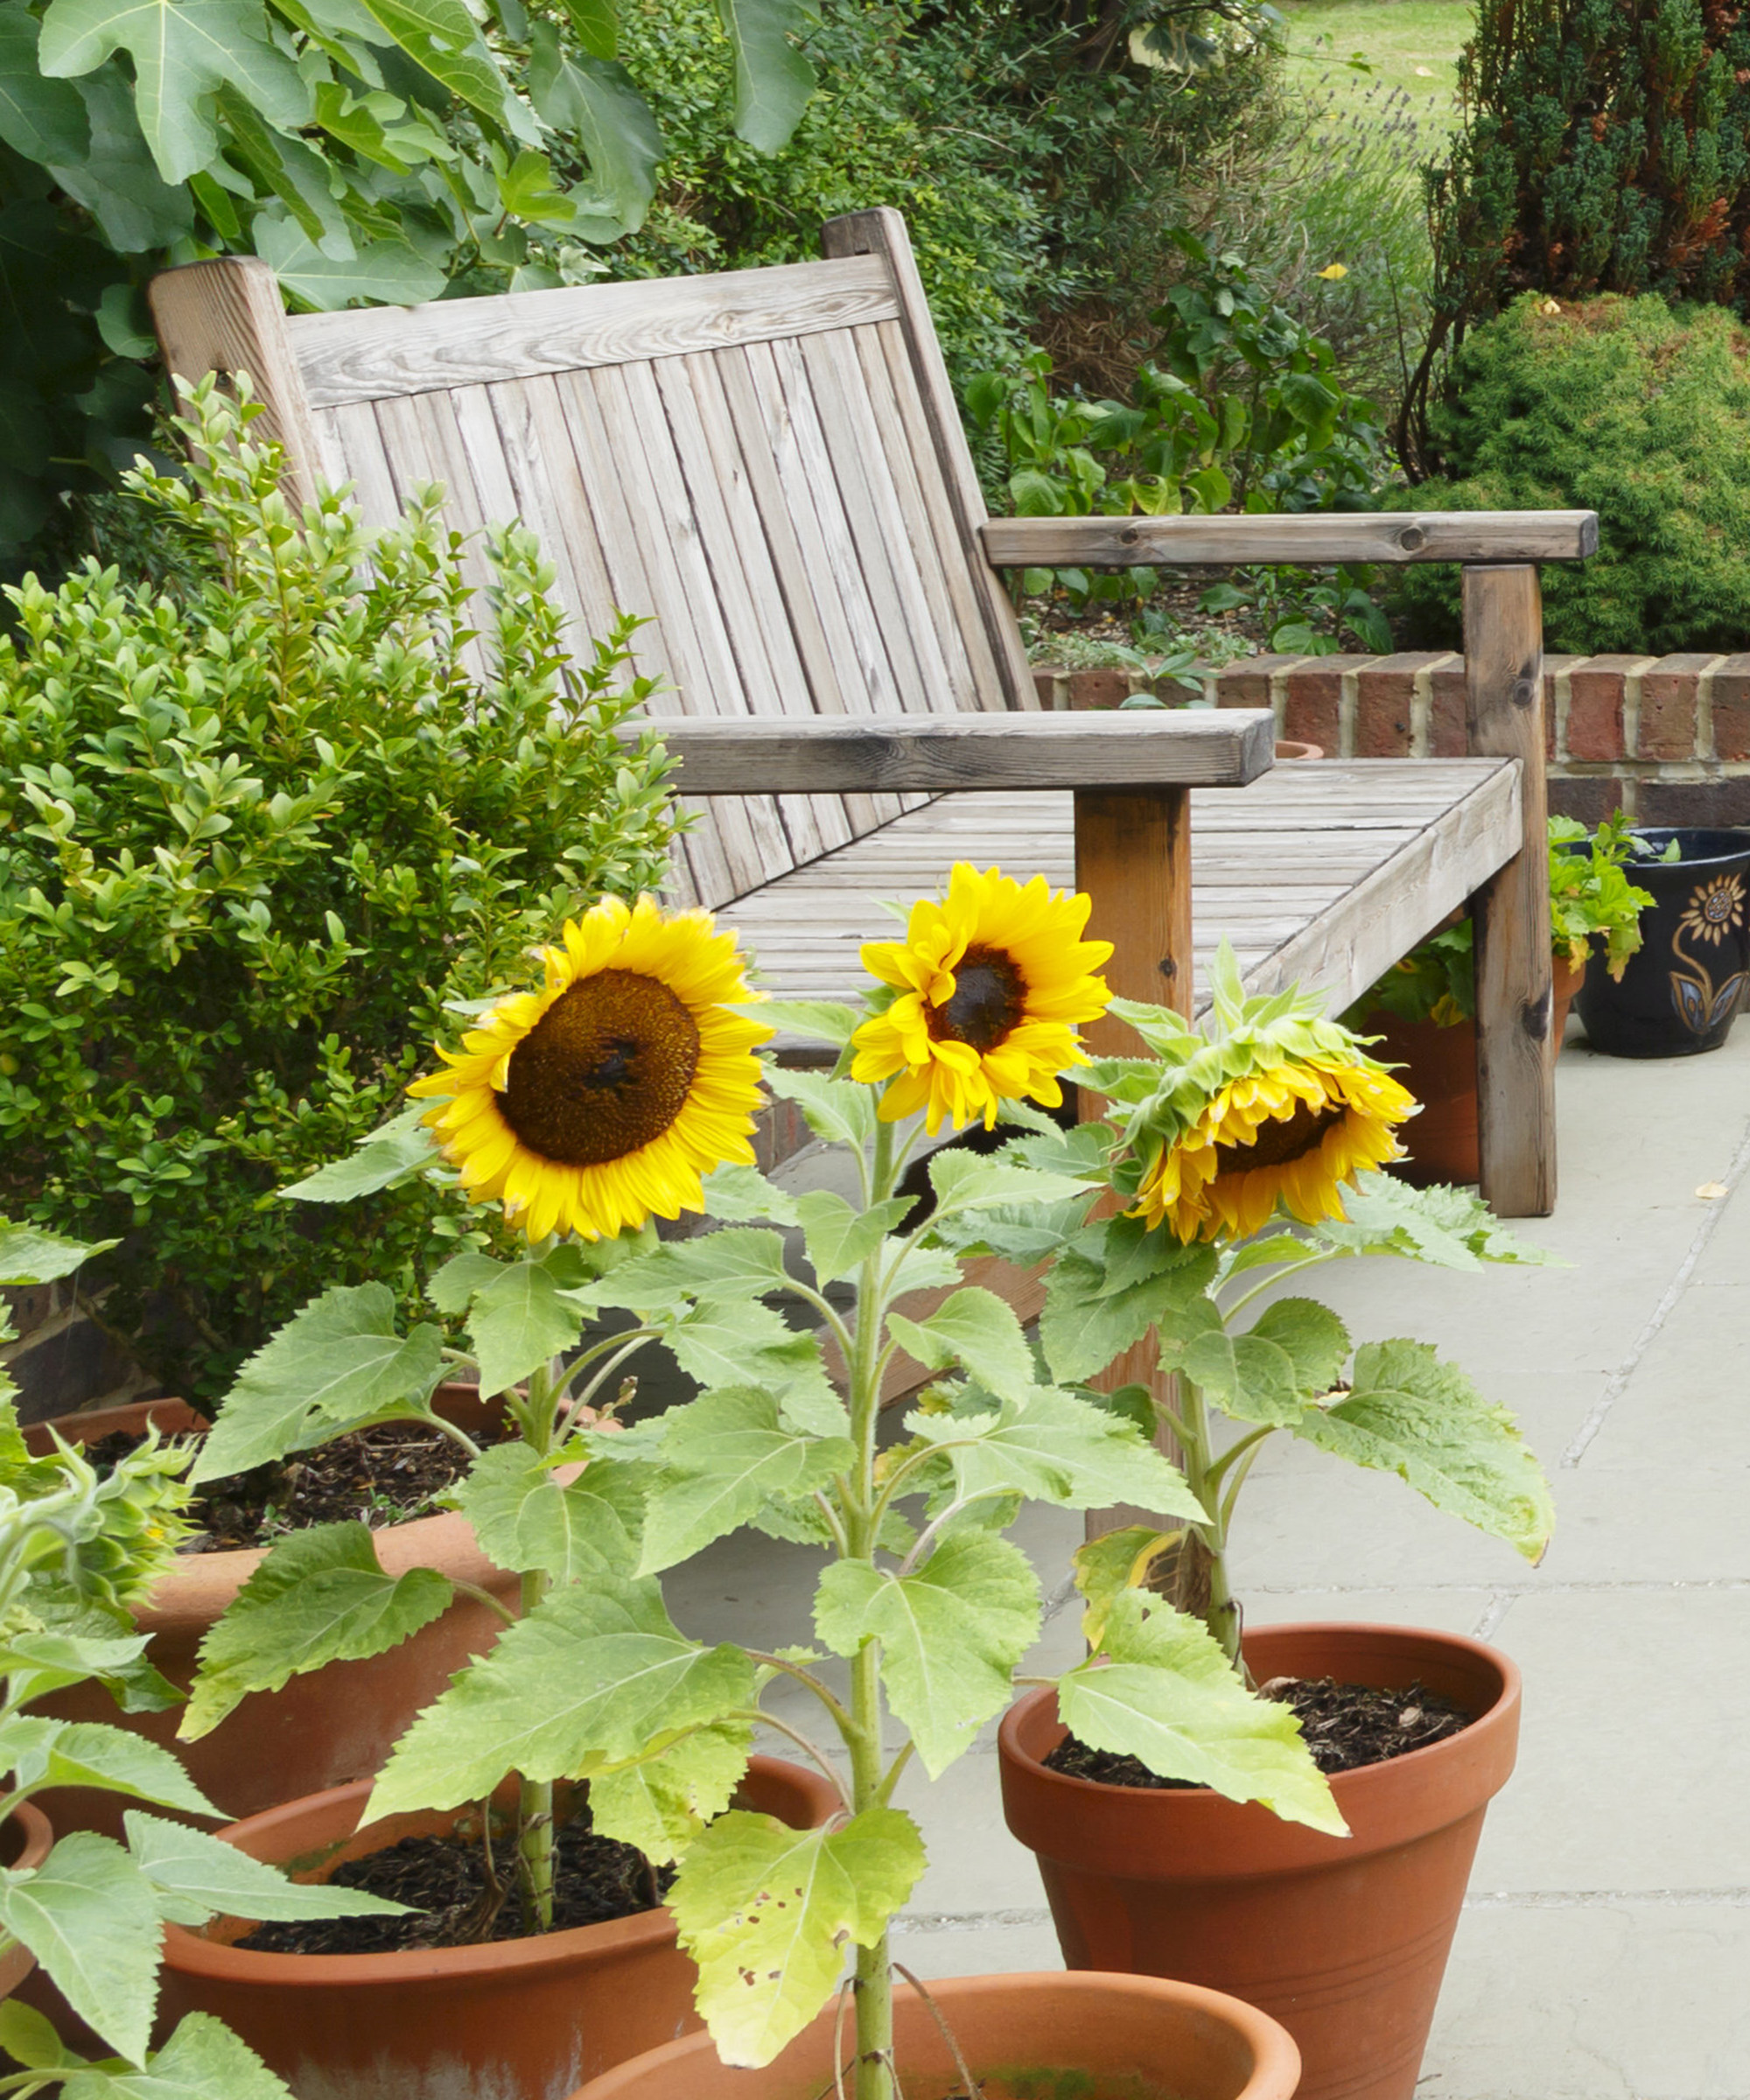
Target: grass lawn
{"points": [[1410, 43]]}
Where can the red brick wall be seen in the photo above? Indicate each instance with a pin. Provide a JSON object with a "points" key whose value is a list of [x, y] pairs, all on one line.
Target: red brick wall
{"points": [[1666, 738]]}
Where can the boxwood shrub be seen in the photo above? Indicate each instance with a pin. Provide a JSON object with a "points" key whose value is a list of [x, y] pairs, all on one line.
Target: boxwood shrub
{"points": [[1633, 409], [258, 834]]}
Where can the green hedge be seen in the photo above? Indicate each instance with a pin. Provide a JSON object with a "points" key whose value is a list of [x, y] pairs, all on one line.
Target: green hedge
{"points": [[1627, 407]]}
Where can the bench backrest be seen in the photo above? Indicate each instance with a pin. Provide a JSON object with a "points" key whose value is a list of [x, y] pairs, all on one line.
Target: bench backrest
{"points": [[768, 461]]}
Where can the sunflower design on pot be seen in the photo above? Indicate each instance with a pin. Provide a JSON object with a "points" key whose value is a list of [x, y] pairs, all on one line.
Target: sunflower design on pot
{"points": [[1715, 909], [983, 999], [601, 1100], [1277, 1111]]}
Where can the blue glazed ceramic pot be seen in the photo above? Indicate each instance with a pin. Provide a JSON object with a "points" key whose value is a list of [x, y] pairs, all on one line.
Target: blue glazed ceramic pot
{"points": [[1680, 993]]}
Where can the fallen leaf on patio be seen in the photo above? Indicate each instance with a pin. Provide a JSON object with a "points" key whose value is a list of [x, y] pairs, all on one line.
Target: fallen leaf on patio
{"points": [[1710, 1192]]}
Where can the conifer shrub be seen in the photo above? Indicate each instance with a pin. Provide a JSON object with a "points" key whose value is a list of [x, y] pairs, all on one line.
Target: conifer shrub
{"points": [[259, 835], [1631, 407]]}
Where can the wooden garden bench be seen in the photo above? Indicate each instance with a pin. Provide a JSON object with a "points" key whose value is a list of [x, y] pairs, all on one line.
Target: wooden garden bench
{"points": [[771, 462]]}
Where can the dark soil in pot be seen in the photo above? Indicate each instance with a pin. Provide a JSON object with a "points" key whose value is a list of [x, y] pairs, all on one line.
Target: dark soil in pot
{"points": [[1680, 992], [448, 1882], [386, 1475]]}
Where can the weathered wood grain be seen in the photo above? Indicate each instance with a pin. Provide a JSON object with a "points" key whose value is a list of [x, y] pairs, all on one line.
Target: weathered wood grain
{"points": [[1516, 1064], [1318, 536], [392, 350], [228, 317], [982, 752]]}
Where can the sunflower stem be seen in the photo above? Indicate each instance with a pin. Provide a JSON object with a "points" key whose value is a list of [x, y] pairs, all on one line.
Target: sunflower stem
{"points": [[1205, 1590], [534, 1418]]}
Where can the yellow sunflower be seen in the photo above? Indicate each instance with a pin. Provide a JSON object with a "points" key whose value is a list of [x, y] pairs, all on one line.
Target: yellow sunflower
{"points": [[600, 1100], [1290, 1133], [992, 983]]}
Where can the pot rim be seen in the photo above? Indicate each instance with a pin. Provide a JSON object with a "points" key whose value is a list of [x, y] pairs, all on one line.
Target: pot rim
{"points": [[193, 1954], [1275, 2066], [1352, 1787], [39, 1834], [1631, 868]]}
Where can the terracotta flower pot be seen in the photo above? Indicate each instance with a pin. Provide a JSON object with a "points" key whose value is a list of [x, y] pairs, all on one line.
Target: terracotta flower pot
{"points": [[516, 2020], [1342, 1940], [1293, 747], [1439, 1068], [1565, 979], [26, 1841], [323, 1729], [1092, 2037]]}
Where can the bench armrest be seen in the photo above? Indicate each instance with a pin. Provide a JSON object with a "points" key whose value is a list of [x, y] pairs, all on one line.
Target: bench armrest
{"points": [[861, 754], [1307, 538]]}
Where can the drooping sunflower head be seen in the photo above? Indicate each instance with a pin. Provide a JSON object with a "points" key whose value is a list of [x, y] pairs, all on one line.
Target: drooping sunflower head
{"points": [[988, 987], [1275, 1109], [600, 1100]]}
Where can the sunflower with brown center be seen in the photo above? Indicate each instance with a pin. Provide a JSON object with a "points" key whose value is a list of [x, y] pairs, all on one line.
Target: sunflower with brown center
{"points": [[992, 984], [1269, 1108], [600, 1100], [1289, 1137]]}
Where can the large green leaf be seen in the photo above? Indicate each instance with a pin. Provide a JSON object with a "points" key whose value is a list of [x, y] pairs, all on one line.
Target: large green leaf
{"points": [[596, 1675], [725, 1456], [386, 273], [321, 1596], [442, 36], [1409, 1414], [44, 120], [765, 1912], [198, 1877], [773, 80], [593, 100], [90, 1917], [525, 1518], [182, 51], [840, 1236], [977, 1330], [662, 1804], [30, 1256], [401, 1148], [43, 1752], [951, 1634], [840, 1110], [1247, 1375], [735, 1263], [77, 1635], [117, 180], [1096, 1308], [1170, 1696], [203, 2060], [1449, 1227], [520, 1320], [1057, 1449], [1316, 1341], [737, 1195], [339, 1360], [965, 1180], [738, 1343]]}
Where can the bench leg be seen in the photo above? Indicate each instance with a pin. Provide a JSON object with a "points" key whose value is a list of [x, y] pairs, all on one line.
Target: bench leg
{"points": [[1516, 1058], [1133, 859]]}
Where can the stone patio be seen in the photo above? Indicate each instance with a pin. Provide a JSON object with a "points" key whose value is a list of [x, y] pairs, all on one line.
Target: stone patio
{"points": [[1606, 1946]]}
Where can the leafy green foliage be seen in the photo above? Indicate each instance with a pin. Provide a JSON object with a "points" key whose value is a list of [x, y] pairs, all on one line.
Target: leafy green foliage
{"points": [[1591, 898], [951, 1631], [1627, 407], [765, 1911], [724, 1457], [1408, 1413], [1163, 1691], [253, 842], [320, 1596], [388, 151], [596, 1675]]}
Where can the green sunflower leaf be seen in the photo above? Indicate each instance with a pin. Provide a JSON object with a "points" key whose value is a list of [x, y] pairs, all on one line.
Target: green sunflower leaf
{"points": [[839, 1236], [320, 1596], [1166, 1694], [741, 1195], [198, 1877], [1315, 1340], [1086, 1322], [765, 1912], [951, 1634], [662, 1803], [39, 1752], [30, 1256], [1409, 1414], [725, 1458], [1056, 1448], [840, 1110], [203, 2060], [337, 1363], [526, 1518], [597, 1675], [91, 1918], [965, 1180], [522, 1318], [977, 1330], [401, 1149]]}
